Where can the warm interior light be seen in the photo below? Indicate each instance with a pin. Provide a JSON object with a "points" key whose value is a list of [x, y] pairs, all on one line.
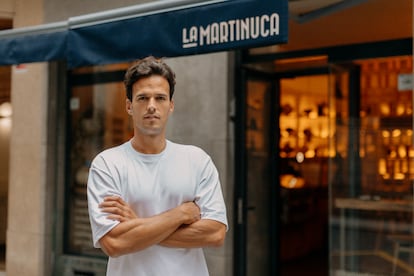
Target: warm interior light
{"points": [[402, 151], [400, 110], [6, 110], [396, 132], [290, 181], [382, 166], [310, 153], [302, 60], [385, 109], [300, 157], [399, 176]]}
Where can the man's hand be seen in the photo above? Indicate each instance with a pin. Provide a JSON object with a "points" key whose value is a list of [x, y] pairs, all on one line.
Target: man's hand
{"points": [[117, 208], [191, 212]]}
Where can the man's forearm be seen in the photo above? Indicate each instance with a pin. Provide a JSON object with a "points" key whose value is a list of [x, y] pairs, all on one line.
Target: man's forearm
{"points": [[135, 234], [203, 233]]}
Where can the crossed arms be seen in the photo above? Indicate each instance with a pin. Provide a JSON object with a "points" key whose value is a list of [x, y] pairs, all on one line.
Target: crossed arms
{"points": [[177, 227]]}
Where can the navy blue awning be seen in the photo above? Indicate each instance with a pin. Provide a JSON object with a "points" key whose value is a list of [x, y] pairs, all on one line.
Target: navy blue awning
{"points": [[218, 26], [34, 44]]}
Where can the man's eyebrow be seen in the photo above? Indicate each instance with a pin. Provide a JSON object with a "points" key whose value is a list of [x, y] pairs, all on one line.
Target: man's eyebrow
{"points": [[150, 93], [145, 94]]}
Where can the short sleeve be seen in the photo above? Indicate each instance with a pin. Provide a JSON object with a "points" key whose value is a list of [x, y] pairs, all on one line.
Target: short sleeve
{"points": [[101, 183], [209, 196]]}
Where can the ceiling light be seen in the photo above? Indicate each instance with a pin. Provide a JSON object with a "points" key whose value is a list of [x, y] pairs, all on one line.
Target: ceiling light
{"points": [[6, 110]]}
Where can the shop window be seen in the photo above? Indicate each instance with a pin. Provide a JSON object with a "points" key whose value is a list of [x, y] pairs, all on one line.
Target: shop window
{"points": [[386, 127], [97, 120], [371, 223]]}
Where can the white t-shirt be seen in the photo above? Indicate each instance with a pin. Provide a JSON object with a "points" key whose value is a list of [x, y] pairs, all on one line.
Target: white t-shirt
{"points": [[152, 184]]}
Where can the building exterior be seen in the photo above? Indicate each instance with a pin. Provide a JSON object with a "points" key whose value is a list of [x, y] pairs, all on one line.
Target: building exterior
{"points": [[347, 60]]}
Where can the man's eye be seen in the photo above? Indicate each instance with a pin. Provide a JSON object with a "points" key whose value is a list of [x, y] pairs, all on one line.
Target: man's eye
{"points": [[141, 98], [161, 98]]}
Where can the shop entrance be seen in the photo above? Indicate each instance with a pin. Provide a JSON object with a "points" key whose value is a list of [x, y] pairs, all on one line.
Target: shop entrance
{"points": [[304, 127], [328, 166], [290, 121]]}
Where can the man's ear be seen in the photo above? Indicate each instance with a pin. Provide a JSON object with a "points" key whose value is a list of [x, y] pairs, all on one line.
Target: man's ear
{"points": [[171, 106], [128, 106]]}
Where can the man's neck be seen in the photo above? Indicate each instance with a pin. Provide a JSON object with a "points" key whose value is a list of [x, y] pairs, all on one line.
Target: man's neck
{"points": [[148, 144]]}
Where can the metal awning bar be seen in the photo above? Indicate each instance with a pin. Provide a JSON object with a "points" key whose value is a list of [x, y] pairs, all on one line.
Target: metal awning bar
{"points": [[34, 30], [107, 16], [155, 7]]}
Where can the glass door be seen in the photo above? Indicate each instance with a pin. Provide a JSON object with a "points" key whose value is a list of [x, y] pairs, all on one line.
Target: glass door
{"points": [[285, 200], [260, 193]]}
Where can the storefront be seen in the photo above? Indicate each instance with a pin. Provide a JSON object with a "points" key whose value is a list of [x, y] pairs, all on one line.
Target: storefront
{"points": [[319, 117], [313, 141], [341, 160]]}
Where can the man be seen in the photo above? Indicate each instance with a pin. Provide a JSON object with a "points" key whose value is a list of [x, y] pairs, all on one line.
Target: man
{"points": [[153, 204]]}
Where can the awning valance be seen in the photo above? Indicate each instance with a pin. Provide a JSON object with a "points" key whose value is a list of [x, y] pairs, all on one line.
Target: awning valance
{"points": [[173, 31]]}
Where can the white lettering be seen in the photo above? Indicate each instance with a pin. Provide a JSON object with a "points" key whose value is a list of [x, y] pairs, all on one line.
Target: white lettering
{"points": [[185, 39], [264, 32], [237, 30], [254, 30], [193, 34], [204, 34], [244, 25], [190, 40], [231, 25], [274, 24], [215, 33], [222, 32]]}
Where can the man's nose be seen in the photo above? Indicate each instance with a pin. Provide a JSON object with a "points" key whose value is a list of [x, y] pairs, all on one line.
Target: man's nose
{"points": [[151, 104]]}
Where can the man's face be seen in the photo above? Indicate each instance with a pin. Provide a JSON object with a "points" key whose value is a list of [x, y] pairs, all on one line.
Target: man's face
{"points": [[150, 106]]}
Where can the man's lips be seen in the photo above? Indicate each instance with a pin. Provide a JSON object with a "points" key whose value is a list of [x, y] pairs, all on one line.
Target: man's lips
{"points": [[151, 117]]}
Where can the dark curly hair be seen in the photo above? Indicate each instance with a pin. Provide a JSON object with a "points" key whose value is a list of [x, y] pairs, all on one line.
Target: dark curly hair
{"points": [[147, 67]]}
